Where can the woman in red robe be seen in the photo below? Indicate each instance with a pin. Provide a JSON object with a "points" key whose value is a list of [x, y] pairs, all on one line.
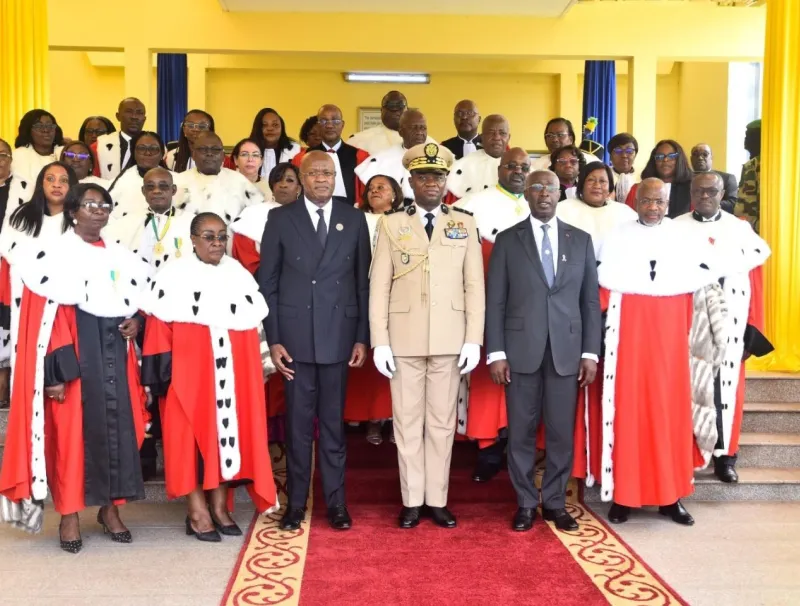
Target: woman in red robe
{"points": [[75, 432], [202, 356], [248, 228]]}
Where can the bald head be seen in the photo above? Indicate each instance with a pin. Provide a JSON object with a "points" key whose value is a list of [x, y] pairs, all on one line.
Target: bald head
{"points": [[652, 201], [329, 118], [707, 191], [413, 128], [701, 157], [466, 118], [513, 170], [158, 189], [495, 135], [318, 175], [131, 115], [393, 105]]}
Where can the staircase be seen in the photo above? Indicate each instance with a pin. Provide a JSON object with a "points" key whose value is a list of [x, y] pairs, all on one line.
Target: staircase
{"points": [[769, 449]]}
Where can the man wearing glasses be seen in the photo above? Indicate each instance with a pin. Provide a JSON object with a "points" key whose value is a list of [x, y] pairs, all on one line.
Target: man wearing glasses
{"points": [[558, 133], [478, 171], [378, 138], [113, 150], [466, 118], [702, 162], [482, 414], [745, 252], [210, 187], [543, 332], [345, 157]]}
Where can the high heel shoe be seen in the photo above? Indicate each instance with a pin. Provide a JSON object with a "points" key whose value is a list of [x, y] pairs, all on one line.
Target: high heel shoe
{"points": [[118, 537], [212, 536], [231, 530], [70, 546]]}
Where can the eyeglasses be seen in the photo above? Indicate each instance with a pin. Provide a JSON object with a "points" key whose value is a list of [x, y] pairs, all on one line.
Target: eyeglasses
{"points": [[659, 202], [196, 126], [76, 156], [662, 157], [209, 151], [701, 192], [394, 106], [513, 166], [538, 188], [93, 206], [96, 131], [250, 155], [324, 122], [148, 150], [210, 238], [328, 174], [5, 156], [570, 161], [43, 127], [465, 114], [623, 151], [555, 136]]}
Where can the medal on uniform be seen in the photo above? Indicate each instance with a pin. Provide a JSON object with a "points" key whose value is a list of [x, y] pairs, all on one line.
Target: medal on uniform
{"points": [[158, 247], [178, 244], [404, 258]]}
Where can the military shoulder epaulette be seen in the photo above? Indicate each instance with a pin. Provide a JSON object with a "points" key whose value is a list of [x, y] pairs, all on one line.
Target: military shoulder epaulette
{"points": [[393, 211], [461, 210]]}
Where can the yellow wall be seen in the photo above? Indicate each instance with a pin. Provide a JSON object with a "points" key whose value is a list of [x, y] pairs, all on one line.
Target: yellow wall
{"points": [[703, 108]]}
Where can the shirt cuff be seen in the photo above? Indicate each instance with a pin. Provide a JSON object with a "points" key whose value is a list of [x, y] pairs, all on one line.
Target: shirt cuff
{"points": [[589, 356], [495, 356]]}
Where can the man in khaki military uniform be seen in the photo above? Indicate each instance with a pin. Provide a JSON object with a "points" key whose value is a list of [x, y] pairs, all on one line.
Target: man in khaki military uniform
{"points": [[426, 314]]}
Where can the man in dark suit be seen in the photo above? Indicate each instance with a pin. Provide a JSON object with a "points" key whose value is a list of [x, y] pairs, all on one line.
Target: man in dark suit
{"points": [[466, 118], [543, 340], [345, 157], [703, 162], [314, 274]]}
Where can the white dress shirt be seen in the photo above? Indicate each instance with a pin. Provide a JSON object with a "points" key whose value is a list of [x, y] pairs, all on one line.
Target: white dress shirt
{"points": [[469, 146], [339, 189], [312, 212], [538, 236], [128, 151], [422, 212]]}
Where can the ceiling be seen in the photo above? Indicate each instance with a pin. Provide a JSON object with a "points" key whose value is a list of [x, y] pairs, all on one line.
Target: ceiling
{"points": [[534, 8]]}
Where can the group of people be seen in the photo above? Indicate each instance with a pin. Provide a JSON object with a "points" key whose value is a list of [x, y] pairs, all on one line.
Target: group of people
{"points": [[218, 302]]}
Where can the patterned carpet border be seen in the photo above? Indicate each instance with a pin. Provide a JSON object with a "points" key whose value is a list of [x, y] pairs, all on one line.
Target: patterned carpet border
{"points": [[269, 569]]}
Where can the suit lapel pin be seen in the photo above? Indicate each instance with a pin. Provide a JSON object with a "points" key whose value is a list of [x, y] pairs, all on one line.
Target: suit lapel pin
{"points": [[563, 258], [339, 227]]}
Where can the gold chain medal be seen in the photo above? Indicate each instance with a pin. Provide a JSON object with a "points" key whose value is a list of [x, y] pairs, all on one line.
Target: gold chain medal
{"points": [[158, 247]]}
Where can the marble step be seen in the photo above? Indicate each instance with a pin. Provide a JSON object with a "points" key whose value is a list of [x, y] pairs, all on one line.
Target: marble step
{"points": [[771, 417], [755, 484], [769, 450], [772, 387]]}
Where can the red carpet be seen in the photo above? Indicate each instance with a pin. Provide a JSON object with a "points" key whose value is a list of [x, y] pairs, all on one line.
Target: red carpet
{"points": [[480, 562]]}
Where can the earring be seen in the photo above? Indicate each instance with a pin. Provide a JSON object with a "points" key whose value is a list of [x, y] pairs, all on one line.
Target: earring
{"points": [[74, 221]]}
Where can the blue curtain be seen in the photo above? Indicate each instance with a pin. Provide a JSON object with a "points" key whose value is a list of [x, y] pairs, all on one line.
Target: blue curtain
{"points": [[600, 100], [172, 101]]}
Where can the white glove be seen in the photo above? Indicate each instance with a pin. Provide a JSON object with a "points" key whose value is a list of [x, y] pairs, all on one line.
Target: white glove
{"points": [[470, 356], [384, 360]]}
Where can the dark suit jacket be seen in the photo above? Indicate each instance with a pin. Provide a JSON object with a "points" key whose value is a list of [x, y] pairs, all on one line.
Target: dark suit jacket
{"points": [[349, 158], [318, 299], [522, 312], [731, 191], [680, 199], [456, 145]]}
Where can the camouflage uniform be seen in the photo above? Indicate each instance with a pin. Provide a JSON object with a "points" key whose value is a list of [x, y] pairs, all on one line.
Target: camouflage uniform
{"points": [[748, 204]]}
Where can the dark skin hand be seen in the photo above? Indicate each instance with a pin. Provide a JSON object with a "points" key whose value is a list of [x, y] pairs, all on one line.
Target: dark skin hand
{"points": [[359, 356], [278, 354], [500, 372]]}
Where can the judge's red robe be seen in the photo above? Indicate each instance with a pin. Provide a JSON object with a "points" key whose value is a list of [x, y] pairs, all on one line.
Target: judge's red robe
{"points": [[178, 365]]}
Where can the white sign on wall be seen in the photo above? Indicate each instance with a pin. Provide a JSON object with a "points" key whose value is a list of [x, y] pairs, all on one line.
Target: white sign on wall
{"points": [[368, 117]]}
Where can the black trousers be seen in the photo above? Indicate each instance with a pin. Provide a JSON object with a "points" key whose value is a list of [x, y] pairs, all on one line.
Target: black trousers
{"points": [[529, 398], [317, 391]]}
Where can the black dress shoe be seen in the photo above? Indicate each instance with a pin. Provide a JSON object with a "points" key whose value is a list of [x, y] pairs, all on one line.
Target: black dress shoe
{"points": [[485, 471], [678, 513], [618, 514], [726, 473], [523, 519], [212, 536], [292, 519], [442, 517], [409, 517], [231, 530], [338, 517], [563, 520]]}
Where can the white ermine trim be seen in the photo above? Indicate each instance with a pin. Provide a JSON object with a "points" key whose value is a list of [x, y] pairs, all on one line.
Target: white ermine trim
{"points": [[613, 316], [252, 221], [38, 468], [230, 458], [462, 405], [589, 476]]}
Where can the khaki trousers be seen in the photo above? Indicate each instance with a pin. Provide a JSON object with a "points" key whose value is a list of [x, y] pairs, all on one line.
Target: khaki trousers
{"points": [[424, 394]]}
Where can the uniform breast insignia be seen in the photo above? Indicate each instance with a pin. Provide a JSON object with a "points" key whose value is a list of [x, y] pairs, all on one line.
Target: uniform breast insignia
{"points": [[455, 231], [404, 258], [404, 233]]}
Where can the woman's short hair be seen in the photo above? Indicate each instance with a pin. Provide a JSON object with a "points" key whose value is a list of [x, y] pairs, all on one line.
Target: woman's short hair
{"points": [[201, 218], [277, 172], [238, 147], [110, 128], [621, 139], [26, 124], [587, 170], [683, 172], [72, 202], [574, 150], [566, 122], [75, 143], [399, 197], [305, 130]]}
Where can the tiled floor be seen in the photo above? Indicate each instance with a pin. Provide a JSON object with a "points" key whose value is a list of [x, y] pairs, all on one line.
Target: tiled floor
{"points": [[736, 554], [162, 567], [744, 554]]}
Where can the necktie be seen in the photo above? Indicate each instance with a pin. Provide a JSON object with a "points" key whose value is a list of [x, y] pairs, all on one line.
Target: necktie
{"points": [[322, 229], [429, 225], [547, 258]]}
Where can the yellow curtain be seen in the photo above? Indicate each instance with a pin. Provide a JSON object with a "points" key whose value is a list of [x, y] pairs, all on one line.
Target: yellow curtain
{"points": [[780, 184], [24, 63]]}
